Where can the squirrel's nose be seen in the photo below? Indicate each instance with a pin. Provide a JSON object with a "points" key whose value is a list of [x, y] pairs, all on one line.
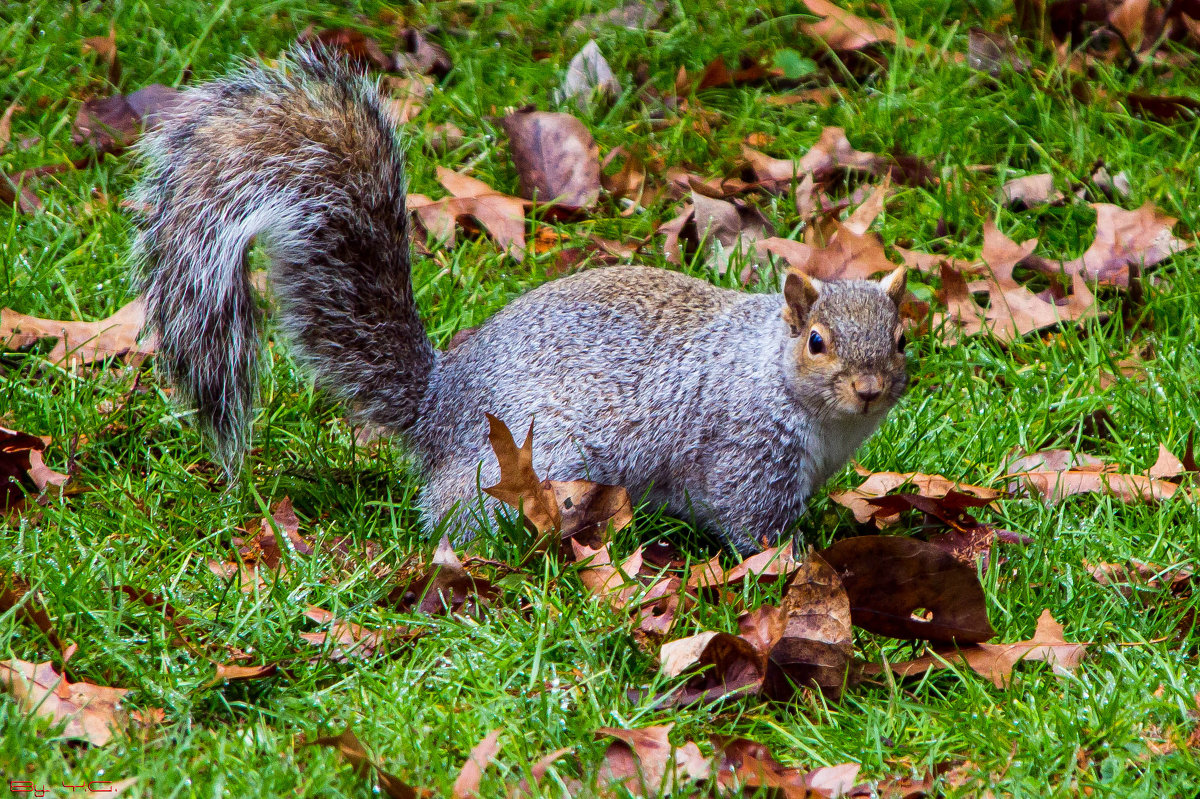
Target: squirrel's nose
{"points": [[868, 389]]}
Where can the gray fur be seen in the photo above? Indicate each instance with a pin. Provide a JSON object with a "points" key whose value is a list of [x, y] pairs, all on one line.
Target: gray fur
{"points": [[699, 398]]}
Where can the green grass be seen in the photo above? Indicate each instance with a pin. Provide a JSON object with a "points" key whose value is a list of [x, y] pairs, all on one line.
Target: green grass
{"points": [[547, 664]]}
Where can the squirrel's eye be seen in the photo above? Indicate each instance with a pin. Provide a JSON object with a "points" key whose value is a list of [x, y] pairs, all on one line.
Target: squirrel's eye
{"points": [[816, 344], [901, 343]]}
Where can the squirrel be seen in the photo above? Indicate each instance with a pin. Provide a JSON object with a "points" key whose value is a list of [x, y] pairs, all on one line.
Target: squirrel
{"points": [[730, 408]]}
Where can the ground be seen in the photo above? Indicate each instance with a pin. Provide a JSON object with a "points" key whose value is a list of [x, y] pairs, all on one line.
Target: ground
{"points": [[155, 511]]}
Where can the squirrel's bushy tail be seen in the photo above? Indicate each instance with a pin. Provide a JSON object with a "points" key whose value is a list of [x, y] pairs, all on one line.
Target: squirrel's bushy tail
{"points": [[304, 161]]}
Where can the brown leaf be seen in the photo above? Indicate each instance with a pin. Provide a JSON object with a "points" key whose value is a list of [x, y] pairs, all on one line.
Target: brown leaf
{"points": [[16, 593], [814, 647], [1164, 107], [556, 158], [1139, 238], [349, 747], [22, 469], [878, 484], [105, 48], [1011, 312], [589, 76], [91, 712], [996, 661], [501, 215], [422, 56], [1138, 574], [405, 98], [233, 672], [355, 47], [730, 227], [590, 510], [843, 31], [264, 548], [80, 342], [1056, 474], [767, 566], [1031, 190], [633, 15], [519, 485], [888, 578], [13, 191], [467, 783], [6, 124], [345, 639], [721, 665], [446, 588], [645, 763]]}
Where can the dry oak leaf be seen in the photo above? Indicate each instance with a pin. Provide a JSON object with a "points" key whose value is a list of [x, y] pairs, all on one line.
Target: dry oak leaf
{"points": [[844, 31], [105, 48], [80, 342], [646, 764], [466, 785], [16, 593], [831, 151], [1138, 574], [1140, 238], [501, 215], [571, 508], [92, 712], [877, 484], [766, 566], [556, 158], [889, 578], [1031, 190], [233, 672], [110, 124], [349, 747], [22, 469], [345, 639], [264, 548], [1011, 312], [589, 76], [1056, 474], [655, 605], [996, 661], [446, 588]]}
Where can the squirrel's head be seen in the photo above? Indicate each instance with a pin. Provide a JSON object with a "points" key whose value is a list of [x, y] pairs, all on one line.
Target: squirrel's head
{"points": [[847, 358]]}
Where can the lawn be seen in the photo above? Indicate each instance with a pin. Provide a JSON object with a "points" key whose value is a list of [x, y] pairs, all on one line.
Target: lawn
{"points": [[545, 663]]}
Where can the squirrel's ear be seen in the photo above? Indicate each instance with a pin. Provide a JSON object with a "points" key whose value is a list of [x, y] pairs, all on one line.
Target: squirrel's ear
{"points": [[895, 285], [799, 293]]}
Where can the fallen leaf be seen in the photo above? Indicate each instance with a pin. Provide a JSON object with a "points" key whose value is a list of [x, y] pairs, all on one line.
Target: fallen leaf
{"points": [[405, 97], [910, 589], [23, 470], [422, 56], [814, 647], [355, 47], [1031, 190], [519, 485], [767, 566], [589, 77], [556, 158], [91, 712], [345, 639], [644, 762], [467, 783], [351, 749], [878, 484], [996, 661], [80, 343], [501, 215], [1137, 574], [1056, 474], [446, 588], [232, 672], [633, 15], [265, 547], [843, 31], [15, 593], [1164, 107], [105, 48], [6, 124], [722, 665], [1140, 238]]}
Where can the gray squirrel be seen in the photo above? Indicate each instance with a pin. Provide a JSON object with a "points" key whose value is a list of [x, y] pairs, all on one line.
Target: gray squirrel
{"points": [[728, 407]]}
